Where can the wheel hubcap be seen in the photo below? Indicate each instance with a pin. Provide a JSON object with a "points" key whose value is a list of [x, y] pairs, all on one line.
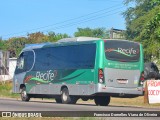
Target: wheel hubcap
{"points": [[64, 97], [24, 94]]}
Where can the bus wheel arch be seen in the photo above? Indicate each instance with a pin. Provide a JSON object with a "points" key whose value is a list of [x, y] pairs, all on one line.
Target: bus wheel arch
{"points": [[22, 86], [84, 98]]}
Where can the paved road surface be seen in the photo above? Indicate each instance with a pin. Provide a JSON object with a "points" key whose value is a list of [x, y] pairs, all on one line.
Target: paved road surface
{"points": [[45, 105]]}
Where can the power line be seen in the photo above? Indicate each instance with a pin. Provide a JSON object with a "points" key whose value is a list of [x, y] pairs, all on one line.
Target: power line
{"points": [[85, 20], [79, 22], [80, 18]]}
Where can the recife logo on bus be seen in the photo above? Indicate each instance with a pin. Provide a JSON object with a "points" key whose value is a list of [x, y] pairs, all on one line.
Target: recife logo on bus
{"points": [[47, 76], [43, 77], [130, 52]]}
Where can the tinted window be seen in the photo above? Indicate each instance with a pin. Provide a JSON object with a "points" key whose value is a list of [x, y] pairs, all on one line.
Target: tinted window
{"points": [[122, 50], [66, 57], [25, 62], [20, 64], [29, 57]]}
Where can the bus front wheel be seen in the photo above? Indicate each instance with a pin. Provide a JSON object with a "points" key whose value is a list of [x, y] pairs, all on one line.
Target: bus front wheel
{"points": [[66, 98], [24, 96], [102, 100]]}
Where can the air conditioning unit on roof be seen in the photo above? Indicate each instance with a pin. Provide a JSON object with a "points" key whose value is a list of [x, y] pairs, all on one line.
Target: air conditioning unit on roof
{"points": [[76, 39]]}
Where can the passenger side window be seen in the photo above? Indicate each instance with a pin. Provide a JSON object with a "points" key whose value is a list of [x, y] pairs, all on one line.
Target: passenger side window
{"points": [[20, 64], [25, 62]]}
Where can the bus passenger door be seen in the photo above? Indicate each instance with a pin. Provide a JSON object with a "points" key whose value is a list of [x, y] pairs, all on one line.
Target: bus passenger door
{"points": [[19, 73]]}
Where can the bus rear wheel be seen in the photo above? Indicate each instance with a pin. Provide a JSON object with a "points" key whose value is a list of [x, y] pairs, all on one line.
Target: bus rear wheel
{"points": [[66, 98], [102, 100], [24, 96]]}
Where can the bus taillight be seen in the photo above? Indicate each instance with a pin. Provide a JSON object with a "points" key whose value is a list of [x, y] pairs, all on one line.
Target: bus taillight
{"points": [[100, 76], [142, 78]]}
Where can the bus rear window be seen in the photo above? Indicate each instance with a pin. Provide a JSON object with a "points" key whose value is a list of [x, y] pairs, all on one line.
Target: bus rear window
{"points": [[124, 51]]}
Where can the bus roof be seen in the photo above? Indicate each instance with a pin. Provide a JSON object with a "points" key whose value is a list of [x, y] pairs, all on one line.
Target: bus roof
{"points": [[66, 41], [61, 41], [36, 45]]}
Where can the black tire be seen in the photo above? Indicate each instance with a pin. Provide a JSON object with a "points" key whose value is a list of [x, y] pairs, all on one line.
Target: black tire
{"points": [[73, 99], [66, 98], [102, 100], [58, 100], [24, 96]]}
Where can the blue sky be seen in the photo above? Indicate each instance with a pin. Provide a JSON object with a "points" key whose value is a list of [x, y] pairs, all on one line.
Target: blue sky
{"points": [[19, 17]]}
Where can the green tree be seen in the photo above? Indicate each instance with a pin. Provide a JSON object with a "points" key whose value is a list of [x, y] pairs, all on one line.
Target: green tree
{"points": [[53, 37], [15, 45], [37, 37], [88, 32], [3, 45], [142, 23]]}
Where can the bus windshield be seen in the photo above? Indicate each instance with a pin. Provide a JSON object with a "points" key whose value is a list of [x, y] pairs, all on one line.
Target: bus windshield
{"points": [[124, 51]]}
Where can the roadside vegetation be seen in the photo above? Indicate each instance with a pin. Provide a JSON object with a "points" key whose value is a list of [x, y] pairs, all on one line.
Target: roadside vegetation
{"points": [[6, 90], [143, 25]]}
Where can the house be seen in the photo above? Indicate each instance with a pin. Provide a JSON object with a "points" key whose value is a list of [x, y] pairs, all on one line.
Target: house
{"points": [[7, 66], [117, 34]]}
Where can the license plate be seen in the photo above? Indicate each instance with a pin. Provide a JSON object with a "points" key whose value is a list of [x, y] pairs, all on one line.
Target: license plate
{"points": [[122, 81]]}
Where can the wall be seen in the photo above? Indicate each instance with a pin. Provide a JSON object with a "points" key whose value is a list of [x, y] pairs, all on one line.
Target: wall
{"points": [[12, 66]]}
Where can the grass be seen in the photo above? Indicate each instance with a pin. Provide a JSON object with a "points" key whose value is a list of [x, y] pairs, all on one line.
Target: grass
{"points": [[6, 90], [138, 101]]}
